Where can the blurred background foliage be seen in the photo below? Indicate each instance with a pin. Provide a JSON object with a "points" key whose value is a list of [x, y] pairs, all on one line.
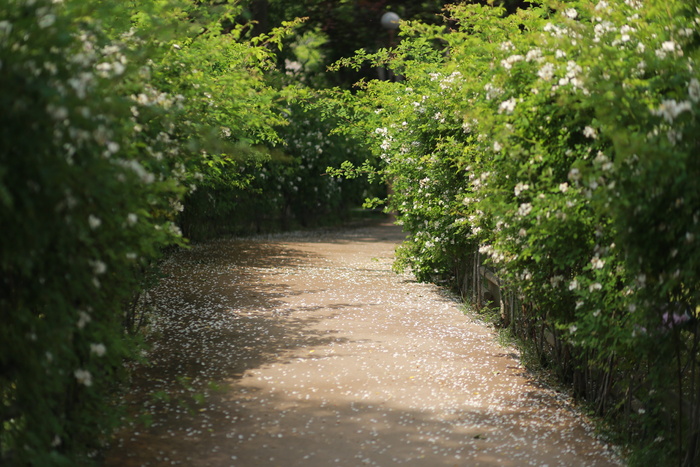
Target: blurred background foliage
{"points": [[347, 26]]}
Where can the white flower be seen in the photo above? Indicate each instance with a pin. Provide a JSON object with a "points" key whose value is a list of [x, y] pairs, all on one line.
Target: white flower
{"points": [[524, 209], [507, 106], [668, 46], [555, 30], [492, 91], [175, 230], [589, 132], [83, 319], [497, 146], [641, 279], [546, 72], [572, 329], [507, 45], [94, 222], [98, 267], [57, 113], [83, 377], [98, 349], [485, 249], [140, 171], [534, 55], [573, 69], [670, 109], [131, 218], [573, 285], [601, 158], [46, 21], [694, 90], [522, 232], [520, 187], [595, 286], [508, 62], [564, 187], [574, 174], [118, 68], [571, 13], [5, 27], [597, 263]]}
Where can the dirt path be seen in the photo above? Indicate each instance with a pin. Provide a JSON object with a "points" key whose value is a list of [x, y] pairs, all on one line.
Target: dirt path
{"points": [[308, 351]]}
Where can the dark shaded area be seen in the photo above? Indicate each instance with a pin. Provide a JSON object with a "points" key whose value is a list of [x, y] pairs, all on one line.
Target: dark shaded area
{"points": [[352, 25]]}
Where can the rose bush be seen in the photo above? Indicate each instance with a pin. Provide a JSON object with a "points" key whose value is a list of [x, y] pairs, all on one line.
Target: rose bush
{"points": [[556, 144]]}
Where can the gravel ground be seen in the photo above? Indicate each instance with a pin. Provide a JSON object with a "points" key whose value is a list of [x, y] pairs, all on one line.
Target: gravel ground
{"points": [[304, 349]]}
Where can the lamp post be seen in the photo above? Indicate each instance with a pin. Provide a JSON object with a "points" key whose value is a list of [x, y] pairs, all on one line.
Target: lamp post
{"points": [[390, 21]]}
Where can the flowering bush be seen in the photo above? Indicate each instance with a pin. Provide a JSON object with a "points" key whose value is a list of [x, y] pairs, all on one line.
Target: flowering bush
{"points": [[271, 179], [284, 190], [83, 202], [113, 114], [557, 145]]}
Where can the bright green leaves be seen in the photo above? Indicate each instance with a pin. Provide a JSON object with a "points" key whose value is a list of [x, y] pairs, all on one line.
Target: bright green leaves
{"points": [[113, 112], [560, 143]]}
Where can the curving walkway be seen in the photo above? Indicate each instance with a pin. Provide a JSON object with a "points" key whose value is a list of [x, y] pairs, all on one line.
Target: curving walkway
{"points": [[306, 350]]}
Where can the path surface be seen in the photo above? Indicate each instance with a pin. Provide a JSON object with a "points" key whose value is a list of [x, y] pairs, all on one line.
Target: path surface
{"points": [[306, 350]]}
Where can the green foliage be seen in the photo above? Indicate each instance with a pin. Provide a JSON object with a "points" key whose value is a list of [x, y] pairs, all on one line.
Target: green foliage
{"points": [[290, 189], [558, 143], [114, 113], [338, 29], [84, 204]]}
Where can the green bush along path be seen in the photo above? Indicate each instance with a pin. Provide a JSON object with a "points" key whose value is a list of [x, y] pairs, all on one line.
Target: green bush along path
{"points": [[554, 144], [307, 350]]}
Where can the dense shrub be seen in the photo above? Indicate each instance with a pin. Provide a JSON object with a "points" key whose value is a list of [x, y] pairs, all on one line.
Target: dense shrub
{"points": [[286, 189], [560, 140], [113, 114], [83, 203], [271, 176]]}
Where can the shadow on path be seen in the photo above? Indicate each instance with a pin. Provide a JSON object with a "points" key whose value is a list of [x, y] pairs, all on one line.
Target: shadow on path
{"points": [[306, 350]]}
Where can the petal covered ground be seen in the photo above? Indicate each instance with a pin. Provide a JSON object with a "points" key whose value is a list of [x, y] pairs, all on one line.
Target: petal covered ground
{"points": [[306, 349]]}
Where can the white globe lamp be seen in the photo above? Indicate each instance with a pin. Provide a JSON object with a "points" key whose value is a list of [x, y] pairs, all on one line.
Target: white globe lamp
{"points": [[390, 20]]}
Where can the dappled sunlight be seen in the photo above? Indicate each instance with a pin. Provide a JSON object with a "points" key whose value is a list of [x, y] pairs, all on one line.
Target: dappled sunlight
{"points": [[289, 352]]}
